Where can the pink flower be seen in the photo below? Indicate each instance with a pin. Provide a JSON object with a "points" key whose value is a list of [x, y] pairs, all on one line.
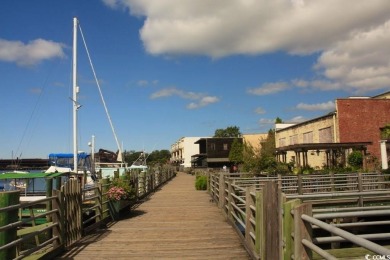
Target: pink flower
{"points": [[117, 193]]}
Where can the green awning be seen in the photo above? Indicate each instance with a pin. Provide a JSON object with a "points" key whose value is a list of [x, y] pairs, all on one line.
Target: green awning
{"points": [[13, 175]]}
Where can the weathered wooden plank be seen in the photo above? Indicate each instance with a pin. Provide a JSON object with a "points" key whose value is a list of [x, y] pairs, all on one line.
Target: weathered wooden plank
{"points": [[175, 222]]}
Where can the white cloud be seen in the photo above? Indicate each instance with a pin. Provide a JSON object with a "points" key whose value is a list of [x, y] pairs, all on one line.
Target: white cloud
{"points": [[361, 62], [202, 102], [297, 119], [31, 53], [266, 121], [199, 99], [314, 107], [145, 83], [259, 110], [224, 27], [268, 88], [351, 37]]}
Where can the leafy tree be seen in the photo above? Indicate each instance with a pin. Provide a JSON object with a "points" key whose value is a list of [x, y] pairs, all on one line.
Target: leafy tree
{"points": [[355, 159], [278, 120], [155, 157], [236, 151], [250, 158], [385, 132], [159, 157], [130, 156], [230, 131], [268, 146], [267, 154]]}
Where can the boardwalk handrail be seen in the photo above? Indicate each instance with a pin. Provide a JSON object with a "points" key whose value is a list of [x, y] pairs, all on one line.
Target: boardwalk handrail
{"points": [[312, 242], [259, 211], [66, 224], [12, 249]]}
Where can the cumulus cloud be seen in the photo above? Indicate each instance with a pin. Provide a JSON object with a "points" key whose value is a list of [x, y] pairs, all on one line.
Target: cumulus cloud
{"points": [[314, 107], [297, 119], [268, 88], [259, 110], [266, 121], [202, 102], [145, 83], [198, 99], [360, 62], [223, 27], [31, 53], [352, 44]]}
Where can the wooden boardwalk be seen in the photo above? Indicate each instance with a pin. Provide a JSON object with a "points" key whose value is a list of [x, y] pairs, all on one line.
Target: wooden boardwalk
{"points": [[177, 222]]}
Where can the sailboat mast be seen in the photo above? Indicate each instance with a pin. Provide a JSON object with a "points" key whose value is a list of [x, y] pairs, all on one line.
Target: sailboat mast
{"points": [[75, 91]]}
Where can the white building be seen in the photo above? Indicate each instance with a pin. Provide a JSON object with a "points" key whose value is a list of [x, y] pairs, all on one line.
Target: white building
{"points": [[183, 149]]}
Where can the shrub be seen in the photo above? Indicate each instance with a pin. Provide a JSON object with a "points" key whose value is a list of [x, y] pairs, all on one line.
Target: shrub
{"points": [[120, 189], [201, 182], [355, 159]]}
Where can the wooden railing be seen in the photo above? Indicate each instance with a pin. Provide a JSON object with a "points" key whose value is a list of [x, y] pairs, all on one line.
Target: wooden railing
{"points": [[70, 213], [274, 223]]}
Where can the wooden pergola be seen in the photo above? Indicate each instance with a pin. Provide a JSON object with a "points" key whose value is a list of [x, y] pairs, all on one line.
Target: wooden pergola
{"points": [[332, 151]]}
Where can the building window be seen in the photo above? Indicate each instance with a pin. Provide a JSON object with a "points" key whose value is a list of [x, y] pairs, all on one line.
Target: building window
{"points": [[212, 146], [308, 138], [282, 142], [225, 147], [293, 139], [325, 135]]}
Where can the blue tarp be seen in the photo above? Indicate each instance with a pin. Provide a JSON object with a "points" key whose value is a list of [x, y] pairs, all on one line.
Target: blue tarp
{"points": [[68, 155]]}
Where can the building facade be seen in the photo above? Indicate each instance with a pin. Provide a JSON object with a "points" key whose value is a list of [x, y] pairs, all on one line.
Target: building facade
{"points": [[326, 141], [214, 152], [254, 140], [182, 150]]}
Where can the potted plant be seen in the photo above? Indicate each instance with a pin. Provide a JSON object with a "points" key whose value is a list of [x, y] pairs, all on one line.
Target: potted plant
{"points": [[120, 195]]}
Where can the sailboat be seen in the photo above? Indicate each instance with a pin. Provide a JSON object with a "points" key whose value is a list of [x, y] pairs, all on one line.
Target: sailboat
{"points": [[76, 164], [60, 162]]}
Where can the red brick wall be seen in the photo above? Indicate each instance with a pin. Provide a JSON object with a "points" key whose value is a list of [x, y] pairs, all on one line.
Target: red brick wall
{"points": [[360, 120]]}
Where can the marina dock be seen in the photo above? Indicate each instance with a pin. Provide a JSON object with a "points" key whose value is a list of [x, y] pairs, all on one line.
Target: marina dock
{"points": [[176, 222]]}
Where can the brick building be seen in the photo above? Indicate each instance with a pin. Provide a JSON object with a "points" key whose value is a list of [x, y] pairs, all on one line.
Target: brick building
{"points": [[327, 140]]}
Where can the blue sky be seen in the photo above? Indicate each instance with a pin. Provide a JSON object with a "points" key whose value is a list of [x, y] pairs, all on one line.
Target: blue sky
{"points": [[174, 68]]}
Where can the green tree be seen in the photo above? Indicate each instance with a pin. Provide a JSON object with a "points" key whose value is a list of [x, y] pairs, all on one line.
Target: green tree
{"points": [[236, 151], [385, 132], [130, 156], [268, 146], [159, 157], [267, 160], [250, 158], [355, 159], [278, 120], [155, 157], [230, 131]]}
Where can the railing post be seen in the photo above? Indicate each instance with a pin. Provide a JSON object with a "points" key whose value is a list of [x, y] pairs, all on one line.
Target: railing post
{"points": [[59, 229], [332, 183], [229, 201], [8, 198], [300, 188], [360, 188], [288, 227], [103, 197], [208, 182], [221, 202], [249, 204], [302, 230], [260, 225], [99, 202], [280, 180], [49, 193], [272, 220]]}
